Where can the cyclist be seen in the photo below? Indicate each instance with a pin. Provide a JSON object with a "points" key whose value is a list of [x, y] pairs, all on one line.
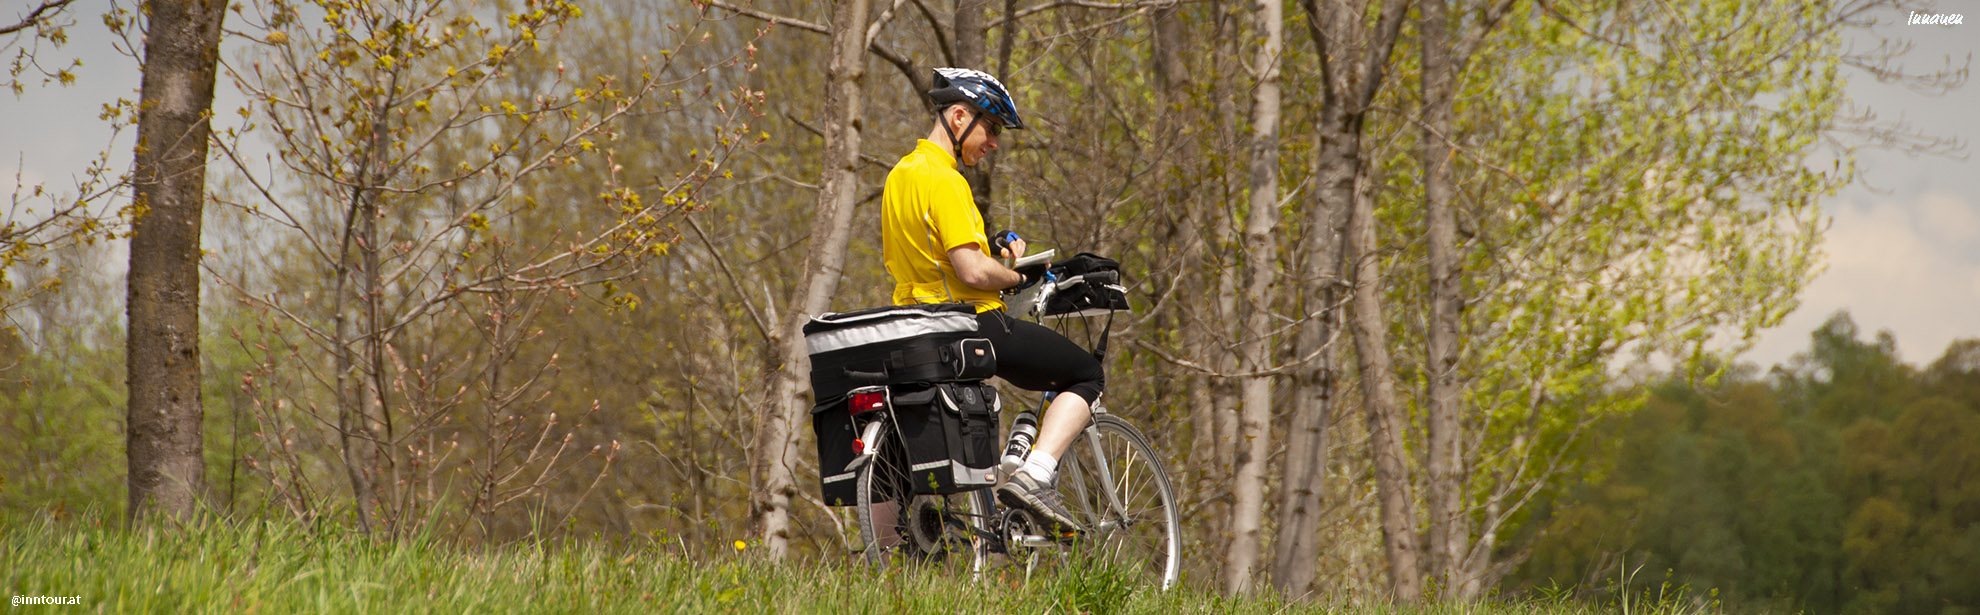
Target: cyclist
{"points": [[935, 248]]}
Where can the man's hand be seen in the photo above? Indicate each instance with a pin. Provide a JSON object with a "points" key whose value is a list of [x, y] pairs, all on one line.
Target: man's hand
{"points": [[1007, 244], [1016, 250], [1032, 274]]}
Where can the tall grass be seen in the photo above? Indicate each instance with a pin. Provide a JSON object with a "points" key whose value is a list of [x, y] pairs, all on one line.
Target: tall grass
{"points": [[281, 568]]}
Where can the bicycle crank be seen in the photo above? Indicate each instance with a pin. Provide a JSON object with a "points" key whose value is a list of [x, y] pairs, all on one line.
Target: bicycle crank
{"points": [[1023, 532]]}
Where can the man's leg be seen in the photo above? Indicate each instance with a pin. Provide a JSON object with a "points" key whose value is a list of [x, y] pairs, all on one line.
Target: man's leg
{"points": [[1056, 430], [1039, 359]]}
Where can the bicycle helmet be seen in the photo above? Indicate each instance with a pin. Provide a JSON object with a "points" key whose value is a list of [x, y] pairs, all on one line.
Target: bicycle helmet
{"points": [[978, 89]]}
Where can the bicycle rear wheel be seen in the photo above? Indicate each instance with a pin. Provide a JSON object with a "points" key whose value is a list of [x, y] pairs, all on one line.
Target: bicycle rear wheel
{"points": [[894, 520], [1118, 486], [884, 493]]}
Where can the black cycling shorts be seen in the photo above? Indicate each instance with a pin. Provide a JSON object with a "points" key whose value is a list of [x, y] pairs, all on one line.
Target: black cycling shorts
{"points": [[1036, 358]]}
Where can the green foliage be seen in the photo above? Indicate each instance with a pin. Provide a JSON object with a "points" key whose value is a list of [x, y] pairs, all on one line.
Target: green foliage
{"points": [[1629, 183], [62, 411], [1843, 483]]}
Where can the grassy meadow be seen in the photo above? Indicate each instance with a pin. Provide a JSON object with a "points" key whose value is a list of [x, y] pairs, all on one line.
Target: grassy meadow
{"points": [[281, 568]]}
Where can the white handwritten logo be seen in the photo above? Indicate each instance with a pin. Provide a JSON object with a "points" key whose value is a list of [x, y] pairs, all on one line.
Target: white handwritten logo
{"points": [[1935, 19]]}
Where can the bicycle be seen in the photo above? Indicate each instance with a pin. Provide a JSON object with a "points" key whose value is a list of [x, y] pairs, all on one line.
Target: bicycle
{"points": [[1112, 479]]}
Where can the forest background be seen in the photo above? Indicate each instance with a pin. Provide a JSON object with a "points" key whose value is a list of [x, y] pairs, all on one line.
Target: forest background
{"points": [[602, 222]]}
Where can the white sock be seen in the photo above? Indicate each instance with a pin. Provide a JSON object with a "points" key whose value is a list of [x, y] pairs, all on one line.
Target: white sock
{"points": [[1041, 465]]}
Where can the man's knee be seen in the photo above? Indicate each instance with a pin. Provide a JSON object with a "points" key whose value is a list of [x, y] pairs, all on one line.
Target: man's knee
{"points": [[1090, 387]]}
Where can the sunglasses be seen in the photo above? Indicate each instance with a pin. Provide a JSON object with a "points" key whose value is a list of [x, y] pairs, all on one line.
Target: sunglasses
{"points": [[991, 123]]}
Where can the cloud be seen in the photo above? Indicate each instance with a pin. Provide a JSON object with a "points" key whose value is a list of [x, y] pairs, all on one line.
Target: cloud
{"points": [[1950, 219], [1907, 265]]}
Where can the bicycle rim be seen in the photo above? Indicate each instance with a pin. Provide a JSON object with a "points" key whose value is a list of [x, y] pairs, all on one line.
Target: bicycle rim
{"points": [[1137, 530], [894, 520], [882, 500]]}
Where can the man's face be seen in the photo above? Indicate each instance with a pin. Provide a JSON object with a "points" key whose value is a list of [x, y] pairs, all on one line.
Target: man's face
{"points": [[981, 140]]}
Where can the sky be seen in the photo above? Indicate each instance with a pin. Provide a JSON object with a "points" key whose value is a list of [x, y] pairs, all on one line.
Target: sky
{"points": [[1903, 244]]}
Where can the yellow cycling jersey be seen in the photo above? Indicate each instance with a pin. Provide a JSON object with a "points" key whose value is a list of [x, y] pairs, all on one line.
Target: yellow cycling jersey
{"points": [[926, 210]]}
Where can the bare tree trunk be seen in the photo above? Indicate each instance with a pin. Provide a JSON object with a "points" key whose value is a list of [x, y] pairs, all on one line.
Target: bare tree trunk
{"points": [[1353, 63], [1448, 530], [361, 411], [1378, 392], [1303, 482], [162, 439], [1261, 258], [972, 50], [1215, 342], [1171, 72], [352, 438], [776, 440]]}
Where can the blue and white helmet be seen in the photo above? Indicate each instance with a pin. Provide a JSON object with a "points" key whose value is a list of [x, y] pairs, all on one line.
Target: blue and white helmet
{"points": [[977, 88]]}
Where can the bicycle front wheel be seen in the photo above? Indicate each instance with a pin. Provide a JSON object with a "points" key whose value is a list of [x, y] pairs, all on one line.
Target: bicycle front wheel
{"points": [[1121, 490]]}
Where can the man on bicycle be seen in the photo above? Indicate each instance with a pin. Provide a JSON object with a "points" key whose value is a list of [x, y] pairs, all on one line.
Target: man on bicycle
{"points": [[935, 248]]}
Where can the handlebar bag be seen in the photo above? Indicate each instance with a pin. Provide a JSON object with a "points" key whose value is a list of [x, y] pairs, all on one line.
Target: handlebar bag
{"points": [[922, 343], [1089, 285], [1083, 263]]}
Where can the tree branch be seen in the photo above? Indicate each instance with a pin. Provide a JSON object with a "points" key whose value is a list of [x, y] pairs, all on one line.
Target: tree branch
{"points": [[47, 10], [1090, 4], [906, 66]]}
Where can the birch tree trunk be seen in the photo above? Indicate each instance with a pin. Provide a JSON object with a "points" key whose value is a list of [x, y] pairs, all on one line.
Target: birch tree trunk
{"points": [[1260, 244], [162, 438], [789, 399], [1260, 265], [1448, 533]]}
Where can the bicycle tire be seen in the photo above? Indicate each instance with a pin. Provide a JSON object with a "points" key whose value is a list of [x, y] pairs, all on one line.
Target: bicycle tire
{"points": [[1143, 535], [889, 511], [882, 498]]}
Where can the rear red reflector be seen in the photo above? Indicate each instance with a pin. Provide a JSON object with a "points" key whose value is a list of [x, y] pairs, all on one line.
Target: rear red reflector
{"points": [[859, 446], [868, 402]]}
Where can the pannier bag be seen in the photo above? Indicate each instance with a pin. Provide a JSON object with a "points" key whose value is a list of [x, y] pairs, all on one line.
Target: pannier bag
{"points": [[932, 359], [948, 429], [833, 423], [951, 437], [1089, 285], [930, 342]]}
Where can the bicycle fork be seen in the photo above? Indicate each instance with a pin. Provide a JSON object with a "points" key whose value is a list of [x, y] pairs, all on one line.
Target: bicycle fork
{"points": [[1103, 523]]}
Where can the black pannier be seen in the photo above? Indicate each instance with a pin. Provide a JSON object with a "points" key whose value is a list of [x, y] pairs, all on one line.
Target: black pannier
{"points": [[933, 362], [833, 424], [1089, 285], [948, 429], [930, 342]]}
